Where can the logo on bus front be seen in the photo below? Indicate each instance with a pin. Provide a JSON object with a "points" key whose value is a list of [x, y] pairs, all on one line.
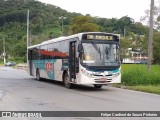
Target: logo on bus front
{"points": [[48, 66]]}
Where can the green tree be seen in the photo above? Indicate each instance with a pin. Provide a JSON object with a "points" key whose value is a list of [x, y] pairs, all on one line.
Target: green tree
{"points": [[45, 24], [156, 33], [125, 24], [156, 47], [146, 18], [140, 29], [83, 24], [124, 45]]}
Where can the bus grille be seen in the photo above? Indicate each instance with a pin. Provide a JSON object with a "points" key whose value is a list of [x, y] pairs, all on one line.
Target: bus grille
{"points": [[102, 75], [102, 80]]}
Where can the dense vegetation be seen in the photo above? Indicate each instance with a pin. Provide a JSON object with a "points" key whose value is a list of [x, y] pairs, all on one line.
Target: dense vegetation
{"points": [[135, 74], [45, 24], [136, 77]]}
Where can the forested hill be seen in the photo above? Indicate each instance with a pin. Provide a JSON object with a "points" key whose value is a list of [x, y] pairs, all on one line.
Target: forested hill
{"points": [[41, 15], [45, 24], [44, 16]]}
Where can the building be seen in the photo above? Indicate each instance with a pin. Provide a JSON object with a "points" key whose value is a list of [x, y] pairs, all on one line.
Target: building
{"points": [[135, 56]]}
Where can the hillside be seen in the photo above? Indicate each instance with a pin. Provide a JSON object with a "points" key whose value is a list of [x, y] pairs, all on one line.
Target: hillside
{"points": [[45, 24]]}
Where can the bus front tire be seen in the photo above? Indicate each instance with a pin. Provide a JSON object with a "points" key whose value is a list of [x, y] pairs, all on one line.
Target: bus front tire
{"points": [[97, 86], [38, 75], [67, 83]]}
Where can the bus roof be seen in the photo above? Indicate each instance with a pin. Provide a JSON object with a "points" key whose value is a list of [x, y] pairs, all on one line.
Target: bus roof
{"points": [[79, 35]]}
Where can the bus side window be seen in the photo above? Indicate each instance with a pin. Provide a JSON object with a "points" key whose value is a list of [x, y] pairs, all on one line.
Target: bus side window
{"points": [[64, 48]]}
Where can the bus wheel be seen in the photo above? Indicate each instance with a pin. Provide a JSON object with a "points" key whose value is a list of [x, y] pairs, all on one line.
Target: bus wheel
{"points": [[38, 75], [67, 83], [97, 86]]}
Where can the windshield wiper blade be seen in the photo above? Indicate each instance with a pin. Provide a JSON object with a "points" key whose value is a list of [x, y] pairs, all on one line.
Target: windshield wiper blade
{"points": [[97, 49]]}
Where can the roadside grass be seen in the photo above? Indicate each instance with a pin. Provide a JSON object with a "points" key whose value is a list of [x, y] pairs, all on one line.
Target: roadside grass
{"points": [[137, 74], [149, 88], [136, 77], [155, 89]]}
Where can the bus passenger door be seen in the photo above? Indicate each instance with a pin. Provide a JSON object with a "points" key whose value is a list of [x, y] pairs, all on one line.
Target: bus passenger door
{"points": [[72, 60], [30, 62]]}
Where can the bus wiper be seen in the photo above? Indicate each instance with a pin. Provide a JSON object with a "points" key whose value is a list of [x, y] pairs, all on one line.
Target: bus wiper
{"points": [[107, 53], [97, 48]]}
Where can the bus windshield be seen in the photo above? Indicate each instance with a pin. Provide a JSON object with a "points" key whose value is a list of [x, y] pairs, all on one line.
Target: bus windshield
{"points": [[98, 54]]}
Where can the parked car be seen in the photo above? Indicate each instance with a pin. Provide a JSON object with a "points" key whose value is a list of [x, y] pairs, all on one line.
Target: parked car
{"points": [[10, 63]]}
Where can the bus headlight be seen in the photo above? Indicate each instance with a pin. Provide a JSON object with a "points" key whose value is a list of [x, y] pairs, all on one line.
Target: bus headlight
{"points": [[86, 73], [115, 75]]}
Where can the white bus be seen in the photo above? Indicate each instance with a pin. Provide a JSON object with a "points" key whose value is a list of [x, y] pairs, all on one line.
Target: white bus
{"points": [[90, 58]]}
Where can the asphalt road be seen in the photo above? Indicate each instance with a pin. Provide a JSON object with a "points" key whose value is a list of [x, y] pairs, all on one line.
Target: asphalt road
{"points": [[20, 92]]}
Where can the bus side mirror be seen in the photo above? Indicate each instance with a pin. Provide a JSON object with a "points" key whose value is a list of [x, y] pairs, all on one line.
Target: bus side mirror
{"points": [[80, 48]]}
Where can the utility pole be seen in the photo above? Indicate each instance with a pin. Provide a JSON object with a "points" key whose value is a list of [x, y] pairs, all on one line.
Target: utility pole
{"points": [[62, 18], [4, 50], [150, 40], [124, 32], [27, 29], [27, 34]]}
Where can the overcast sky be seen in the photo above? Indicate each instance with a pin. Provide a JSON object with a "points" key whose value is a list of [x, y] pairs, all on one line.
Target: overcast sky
{"points": [[104, 8]]}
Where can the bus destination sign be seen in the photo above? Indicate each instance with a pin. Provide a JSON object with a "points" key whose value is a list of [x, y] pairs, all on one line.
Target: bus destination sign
{"points": [[106, 37], [99, 37]]}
